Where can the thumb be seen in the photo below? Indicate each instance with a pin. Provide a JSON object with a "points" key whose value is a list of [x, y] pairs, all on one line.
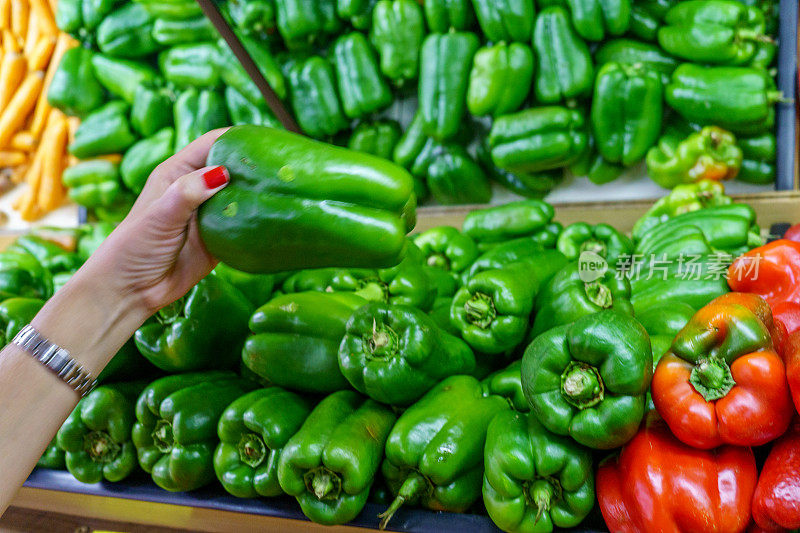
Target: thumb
{"points": [[187, 193]]}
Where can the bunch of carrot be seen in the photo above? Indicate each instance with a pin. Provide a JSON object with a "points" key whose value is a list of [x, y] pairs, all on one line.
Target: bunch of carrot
{"points": [[33, 135]]}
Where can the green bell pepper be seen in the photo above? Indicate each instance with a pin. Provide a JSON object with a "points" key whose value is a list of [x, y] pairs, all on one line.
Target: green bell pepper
{"points": [[253, 431], [574, 293], [513, 251], [453, 177], [318, 464], [594, 20], [97, 435], [397, 32], [309, 325], [93, 183], [507, 382], [440, 314], [53, 456], [175, 432], [564, 68], [537, 139], [647, 16], [257, 288], [168, 32], [203, 330], [172, 9], [315, 97], [303, 23], [91, 236], [508, 221], [395, 354], [738, 99], [362, 89], [600, 239], [434, 454], [534, 480], [94, 11], [444, 15], [151, 111], [594, 166], [358, 12], [53, 255], [411, 143], [233, 74], [527, 185], [127, 32], [15, 314], [74, 88], [759, 156], [376, 138], [447, 249], [243, 112], [631, 52], [374, 199], [505, 20], [588, 379], [122, 76], [69, 16], [626, 112], [21, 274], [500, 79], [663, 322], [104, 131], [196, 65], [443, 82], [197, 112], [142, 158], [252, 16]]}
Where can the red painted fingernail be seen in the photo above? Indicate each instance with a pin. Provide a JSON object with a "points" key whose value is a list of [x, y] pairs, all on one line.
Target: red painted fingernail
{"points": [[216, 177]]}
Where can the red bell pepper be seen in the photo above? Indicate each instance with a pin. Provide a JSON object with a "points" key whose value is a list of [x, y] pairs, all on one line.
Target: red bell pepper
{"points": [[793, 233], [776, 502], [771, 271], [660, 484], [722, 381], [788, 315], [791, 358]]}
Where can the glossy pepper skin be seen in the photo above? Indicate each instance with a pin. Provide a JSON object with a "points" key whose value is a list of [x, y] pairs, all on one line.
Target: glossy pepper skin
{"points": [[567, 297], [243, 112], [74, 88], [600, 239], [15, 314], [127, 32], [21, 274], [434, 454], [175, 432], [68, 15], [362, 89], [192, 65], [722, 381], [122, 76], [509, 221], [534, 480], [493, 308], [594, 166], [739, 99], [513, 251], [588, 379], [233, 74], [52, 458], [93, 183], [500, 79], [759, 155], [626, 112], [446, 248], [94, 11], [595, 20], [527, 185], [315, 97], [257, 288], [446, 60], [358, 12], [694, 490], [104, 131], [769, 271], [398, 29], [453, 177], [442, 15], [203, 330], [505, 20], [252, 432], [376, 138], [725, 32], [168, 32], [507, 382], [142, 158], [97, 435], [255, 16], [151, 110], [647, 16], [630, 52], [395, 354], [317, 466], [296, 338], [170, 9], [564, 69], [375, 195], [302, 23], [775, 502], [537, 139]]}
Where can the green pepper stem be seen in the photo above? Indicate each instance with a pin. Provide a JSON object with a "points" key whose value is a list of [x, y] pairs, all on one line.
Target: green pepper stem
{"points": [[712, 378], [252, 449], [751, 35], [480, 310], [581, 385], [323, 483], [599, 294], [594, 246], [541, 495], [162, 436], [383, 343], [410, 490], [100, 447], [439, 261], [373, 290]]}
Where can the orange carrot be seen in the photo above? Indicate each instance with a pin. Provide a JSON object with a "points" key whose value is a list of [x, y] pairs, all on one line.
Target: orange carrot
{"points": [[21, 104], [12, 71]]}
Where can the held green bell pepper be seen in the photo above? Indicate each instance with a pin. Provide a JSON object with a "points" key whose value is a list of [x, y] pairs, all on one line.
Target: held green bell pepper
{"points": [[253, 431], [397, 32], [233, 74], [376, 138], [711, 154], [69, 16], [738, 99], [493, 308], [724, 32], [647, 16], [572, 294], [594, 20], [74, 88], [15, 314], [317, 465], [93, 183], [537, 139], [509, 221], [97, 435], [564, 68], [447, 249], [196, 65], [127, 32], [142, 158], [172, 9], [272, 184], [500, 79], [302, 23], [255, 287], [243, 112], [443, 82], [203, 330], [631, 52], [105, 131], [196, 112], [122, 76], [588, 379], [168, 32], [626, 112], [505, 20], [94, 11], [252, 16], [534, 480], [151, 110], [358, 12], [507, 382], [308, 328], [453, 177], [315, 98], [395, 354], [444, 15], [175, 432], [434, 454], [600, 239], [759, 156], [52, 458]]}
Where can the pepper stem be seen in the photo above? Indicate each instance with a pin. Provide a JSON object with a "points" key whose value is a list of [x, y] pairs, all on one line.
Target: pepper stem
{"points": [[252, 449], [750, 35], [712, 378], [594, 246], [542, 493], [599, 294], [100, 447], [480, 310], [323, 483], [383, 342], [171, 312], [162, 436], [410, 490], [439, 261], [581, 385], [373, 290]]}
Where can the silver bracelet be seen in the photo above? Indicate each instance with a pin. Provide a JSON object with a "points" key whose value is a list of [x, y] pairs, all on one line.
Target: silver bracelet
{"points": [[56, 358]]}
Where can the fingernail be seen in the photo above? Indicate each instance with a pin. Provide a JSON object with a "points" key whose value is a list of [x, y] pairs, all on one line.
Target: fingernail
{"points": [[216, 177]]}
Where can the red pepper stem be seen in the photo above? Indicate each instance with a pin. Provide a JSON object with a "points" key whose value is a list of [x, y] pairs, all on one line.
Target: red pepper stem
{"points": [[410, 490], [712, 378]]}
